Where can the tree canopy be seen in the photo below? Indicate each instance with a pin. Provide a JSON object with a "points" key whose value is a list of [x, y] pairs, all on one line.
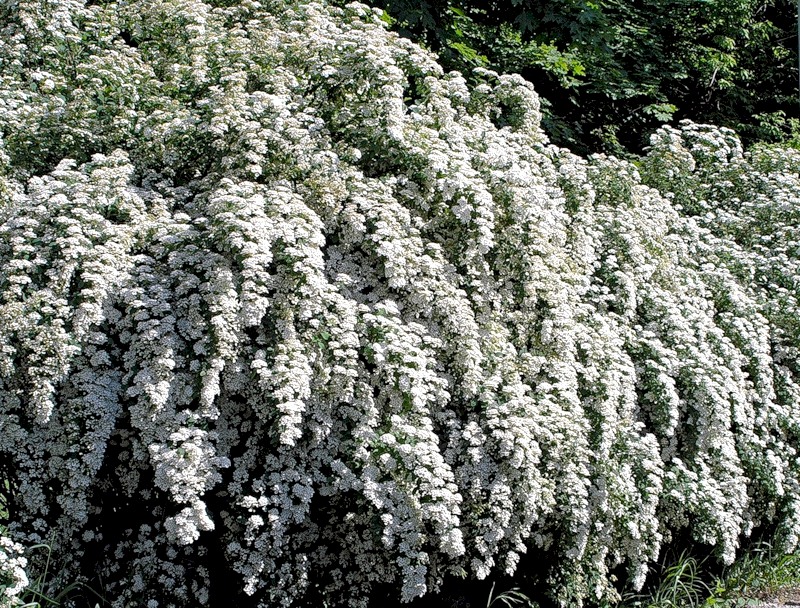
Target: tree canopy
{"points": [[612, 71]]}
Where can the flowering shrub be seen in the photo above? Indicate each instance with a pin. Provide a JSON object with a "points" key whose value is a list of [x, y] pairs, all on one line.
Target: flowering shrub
{"points": [[280, 298]]}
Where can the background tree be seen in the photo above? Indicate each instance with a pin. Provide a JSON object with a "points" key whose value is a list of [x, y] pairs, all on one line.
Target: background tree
{"points": [[613, 70]]}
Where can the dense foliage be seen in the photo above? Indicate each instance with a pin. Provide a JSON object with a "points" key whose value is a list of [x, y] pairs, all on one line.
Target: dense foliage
{"points": [[615, 70], [286, 312]]}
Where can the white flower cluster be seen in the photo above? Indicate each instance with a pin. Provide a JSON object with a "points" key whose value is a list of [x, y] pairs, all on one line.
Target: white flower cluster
{"points": [[288, 314], [13, 578], [741, 216]]}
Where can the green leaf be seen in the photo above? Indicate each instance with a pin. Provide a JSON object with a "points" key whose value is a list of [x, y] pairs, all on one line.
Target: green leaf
{"points": [[661, 111], [469, 54], [388, 19]]}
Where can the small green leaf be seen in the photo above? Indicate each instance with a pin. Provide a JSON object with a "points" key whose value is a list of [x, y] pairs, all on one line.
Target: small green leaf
{"points": [[661, 111], [388, 19]]}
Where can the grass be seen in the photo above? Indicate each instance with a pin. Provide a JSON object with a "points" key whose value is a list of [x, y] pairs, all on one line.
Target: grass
{"points": [[683, 582], [759, 574], [762, 573], [513, 598], [38, 593], [680, 586]]}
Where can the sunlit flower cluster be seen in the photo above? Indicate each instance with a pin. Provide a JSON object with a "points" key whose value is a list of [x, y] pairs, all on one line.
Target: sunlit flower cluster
{"points": [[288, 313], [13, 578]]}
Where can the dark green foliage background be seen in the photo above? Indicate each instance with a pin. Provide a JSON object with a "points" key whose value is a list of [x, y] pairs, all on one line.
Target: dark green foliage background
{"points": [[613, 70]]}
